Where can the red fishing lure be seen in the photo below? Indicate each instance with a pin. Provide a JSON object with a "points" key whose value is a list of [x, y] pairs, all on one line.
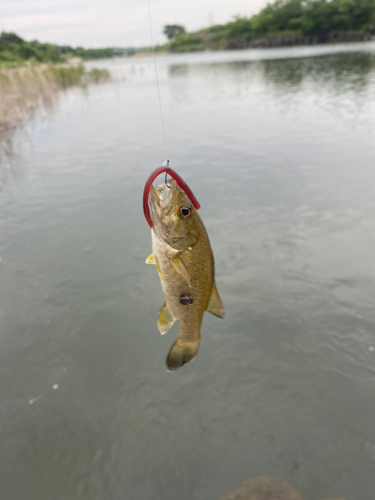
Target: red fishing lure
{"points": [[180, 182]]}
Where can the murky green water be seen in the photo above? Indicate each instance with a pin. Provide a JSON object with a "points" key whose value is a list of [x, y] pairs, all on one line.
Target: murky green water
{"points": [[279, 148]]}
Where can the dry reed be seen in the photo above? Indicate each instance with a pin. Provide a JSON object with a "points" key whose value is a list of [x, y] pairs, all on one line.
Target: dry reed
{"points": [[23, 90]]}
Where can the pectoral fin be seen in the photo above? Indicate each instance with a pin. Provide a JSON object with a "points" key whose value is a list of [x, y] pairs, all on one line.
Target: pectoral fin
{"points": [[181, 269], [165, 319], [151, 259], [215, 306]]}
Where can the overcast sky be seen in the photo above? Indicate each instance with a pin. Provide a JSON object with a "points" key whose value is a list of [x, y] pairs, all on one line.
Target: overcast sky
{"points": [[99, 23]]}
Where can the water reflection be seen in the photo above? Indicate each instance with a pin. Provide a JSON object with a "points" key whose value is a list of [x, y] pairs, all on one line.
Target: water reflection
{"points": [[351, 70]]}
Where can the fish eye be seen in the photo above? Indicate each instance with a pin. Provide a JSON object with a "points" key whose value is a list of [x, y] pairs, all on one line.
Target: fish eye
{"points": [[185, 212]]}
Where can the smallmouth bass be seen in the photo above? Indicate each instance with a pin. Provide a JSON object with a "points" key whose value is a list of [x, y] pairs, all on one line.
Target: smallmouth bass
{"points": [[184, 261]]}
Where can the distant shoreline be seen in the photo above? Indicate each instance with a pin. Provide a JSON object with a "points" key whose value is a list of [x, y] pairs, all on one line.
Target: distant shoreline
{"points": [[269, 41], [298, 39]]}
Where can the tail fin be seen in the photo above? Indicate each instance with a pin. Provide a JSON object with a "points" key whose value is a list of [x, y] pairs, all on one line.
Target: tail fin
{"points": [[181, 353]]}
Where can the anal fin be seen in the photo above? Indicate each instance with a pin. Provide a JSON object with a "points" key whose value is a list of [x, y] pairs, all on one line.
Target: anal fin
{"points": [[165, 319], [215, 305]]}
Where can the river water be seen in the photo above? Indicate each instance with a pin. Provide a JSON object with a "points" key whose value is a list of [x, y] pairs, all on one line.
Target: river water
{"points": [[278, 146]]}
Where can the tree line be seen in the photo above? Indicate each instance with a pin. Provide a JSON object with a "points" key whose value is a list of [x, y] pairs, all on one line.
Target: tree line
{"points": [[309, 17], [313, 18], [15, 50]]}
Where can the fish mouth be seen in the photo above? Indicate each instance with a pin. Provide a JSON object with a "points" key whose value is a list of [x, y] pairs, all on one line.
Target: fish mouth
{"points": [[166, 193], [162, 199]]}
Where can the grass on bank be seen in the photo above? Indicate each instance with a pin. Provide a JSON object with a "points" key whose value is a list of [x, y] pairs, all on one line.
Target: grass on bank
{"points": [[24, 89]]}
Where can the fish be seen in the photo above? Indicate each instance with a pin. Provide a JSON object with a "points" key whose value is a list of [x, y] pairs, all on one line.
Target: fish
{"points": [[184, 260]]}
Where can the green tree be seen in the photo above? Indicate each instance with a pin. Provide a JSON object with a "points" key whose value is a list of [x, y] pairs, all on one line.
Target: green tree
{"points": [[173, 30]]}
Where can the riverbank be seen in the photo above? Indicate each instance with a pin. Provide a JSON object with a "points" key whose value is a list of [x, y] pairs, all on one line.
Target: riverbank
{"points": [[24, 89], [208, 40], [294, 39]]}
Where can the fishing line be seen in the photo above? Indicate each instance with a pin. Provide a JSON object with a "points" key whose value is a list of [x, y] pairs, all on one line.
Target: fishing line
{"points": [[157, 82], [166, 164]]}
